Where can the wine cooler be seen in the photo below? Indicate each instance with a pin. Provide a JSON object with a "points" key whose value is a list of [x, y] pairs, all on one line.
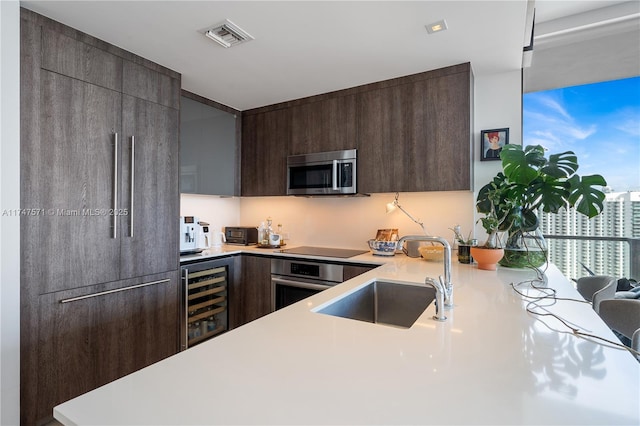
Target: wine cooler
{"points": [[205, 293]]}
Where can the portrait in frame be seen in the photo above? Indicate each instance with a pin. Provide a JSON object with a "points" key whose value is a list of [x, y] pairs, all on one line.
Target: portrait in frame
{"points": [[491, 143]]}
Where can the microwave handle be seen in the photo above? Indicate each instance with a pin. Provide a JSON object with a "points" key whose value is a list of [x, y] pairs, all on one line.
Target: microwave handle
{"points": [[335, 175]]}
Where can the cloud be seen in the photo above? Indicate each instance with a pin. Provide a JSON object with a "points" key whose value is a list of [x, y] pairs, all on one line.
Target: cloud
{"points": [[630, 127], [546, 135], [553, 121], [580, 133], [554, 105]]}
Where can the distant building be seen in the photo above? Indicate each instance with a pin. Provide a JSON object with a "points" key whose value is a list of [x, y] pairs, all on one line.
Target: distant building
{"points": [[620, 218]]}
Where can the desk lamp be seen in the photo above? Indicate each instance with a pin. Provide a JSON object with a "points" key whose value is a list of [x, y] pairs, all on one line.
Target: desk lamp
{"points": [[392, 206]]}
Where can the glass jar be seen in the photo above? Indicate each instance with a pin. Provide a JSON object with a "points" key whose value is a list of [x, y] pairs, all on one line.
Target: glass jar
{"points": [[525, 249]]}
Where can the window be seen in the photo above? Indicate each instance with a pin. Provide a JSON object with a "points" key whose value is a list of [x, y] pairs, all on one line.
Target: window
{"points": [[600, 122]]}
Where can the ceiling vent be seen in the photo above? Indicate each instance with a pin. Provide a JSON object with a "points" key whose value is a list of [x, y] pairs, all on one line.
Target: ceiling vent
{"points": [[228, 34]]}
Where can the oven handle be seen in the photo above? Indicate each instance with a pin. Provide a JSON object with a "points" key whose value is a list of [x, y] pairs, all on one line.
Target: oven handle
{"points": [[299, 284]]}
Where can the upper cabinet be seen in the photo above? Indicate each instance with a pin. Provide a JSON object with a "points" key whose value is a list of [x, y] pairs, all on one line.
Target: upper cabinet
{"points": [[208, 148], [416, 135], [265, 143], [323, 125], [412, 133]]}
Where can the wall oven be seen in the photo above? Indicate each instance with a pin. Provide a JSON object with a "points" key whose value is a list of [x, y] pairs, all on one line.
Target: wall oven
{"points": [[324, 173], [294, 280]]}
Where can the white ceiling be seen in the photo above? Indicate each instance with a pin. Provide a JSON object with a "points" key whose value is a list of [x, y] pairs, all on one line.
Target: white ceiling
{"points": [[303, 48]]}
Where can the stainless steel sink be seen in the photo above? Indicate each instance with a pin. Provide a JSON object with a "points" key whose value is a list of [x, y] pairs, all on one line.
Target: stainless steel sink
{"points": [[383, 302]]}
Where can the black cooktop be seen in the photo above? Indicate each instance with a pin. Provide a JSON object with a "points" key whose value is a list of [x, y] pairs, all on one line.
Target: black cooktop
{"points": [[323, 251]]}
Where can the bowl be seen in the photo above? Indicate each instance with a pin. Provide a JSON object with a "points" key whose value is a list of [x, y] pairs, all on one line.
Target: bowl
{"points": [[433, 253], [383, 248]]}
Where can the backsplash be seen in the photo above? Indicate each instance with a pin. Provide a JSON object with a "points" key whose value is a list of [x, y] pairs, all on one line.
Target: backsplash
{"points": [[346, 222], [218, 212]]}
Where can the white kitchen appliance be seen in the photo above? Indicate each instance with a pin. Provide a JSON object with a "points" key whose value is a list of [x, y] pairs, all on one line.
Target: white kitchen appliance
{"points": [[217, 239], [189, 231], [204, 236]]}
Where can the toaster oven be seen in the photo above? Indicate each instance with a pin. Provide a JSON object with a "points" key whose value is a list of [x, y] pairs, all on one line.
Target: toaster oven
{"points": [[243, 235]]}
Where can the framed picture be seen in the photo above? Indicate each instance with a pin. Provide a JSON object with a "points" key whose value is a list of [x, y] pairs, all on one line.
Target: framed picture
{"points": [[491, 143]]}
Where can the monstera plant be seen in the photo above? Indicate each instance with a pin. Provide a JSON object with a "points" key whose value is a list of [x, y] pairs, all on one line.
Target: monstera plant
{"points": [[529, 181]]}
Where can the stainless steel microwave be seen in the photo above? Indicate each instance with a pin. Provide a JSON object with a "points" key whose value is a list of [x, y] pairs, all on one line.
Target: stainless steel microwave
{"points": [[323, 173]]}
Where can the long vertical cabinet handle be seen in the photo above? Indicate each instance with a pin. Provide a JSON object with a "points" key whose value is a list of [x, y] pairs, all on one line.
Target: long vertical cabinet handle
{"points": [[133, 149], [115, 186], [185, 317]]}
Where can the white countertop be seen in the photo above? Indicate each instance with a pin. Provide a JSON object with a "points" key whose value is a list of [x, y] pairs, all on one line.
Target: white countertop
{"points": [[229, 249], [491, 362]]}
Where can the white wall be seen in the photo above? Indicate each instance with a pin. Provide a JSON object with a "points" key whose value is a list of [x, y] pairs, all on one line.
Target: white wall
{"points": [[350, 222], [218, 212], [9, 225], [498, 104]]}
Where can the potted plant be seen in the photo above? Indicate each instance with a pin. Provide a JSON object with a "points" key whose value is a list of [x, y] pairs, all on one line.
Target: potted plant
{"points": [[463, 244], [489, 254], [529, 181]]}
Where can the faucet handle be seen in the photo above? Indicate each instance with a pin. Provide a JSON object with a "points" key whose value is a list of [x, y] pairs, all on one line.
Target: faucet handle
{"points": [[439, 300], [448, 292]]}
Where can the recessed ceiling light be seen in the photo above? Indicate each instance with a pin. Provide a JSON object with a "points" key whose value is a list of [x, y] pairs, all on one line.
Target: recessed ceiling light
{"points": [[228, 34], [435, 27]]}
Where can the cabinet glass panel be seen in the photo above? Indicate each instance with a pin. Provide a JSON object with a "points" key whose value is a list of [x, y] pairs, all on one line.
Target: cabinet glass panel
{"points": [[207, 149]]}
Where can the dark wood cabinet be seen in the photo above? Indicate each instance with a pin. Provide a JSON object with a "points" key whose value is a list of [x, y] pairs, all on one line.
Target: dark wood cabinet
{"points": [[351, 271], [63, 52], [413, 134], [416, 136], [150, 133], [250, 295], [265, 143], [143, 82], [97, 334], [323, 125], [68, 172], [101, 212]]}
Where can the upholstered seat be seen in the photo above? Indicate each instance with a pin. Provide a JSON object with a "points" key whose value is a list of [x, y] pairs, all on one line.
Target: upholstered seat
{"points": [[623, 316], [596, 289]]}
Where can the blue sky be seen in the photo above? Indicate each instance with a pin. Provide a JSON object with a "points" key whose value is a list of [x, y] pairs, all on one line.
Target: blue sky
{"points": [[600, 122]]}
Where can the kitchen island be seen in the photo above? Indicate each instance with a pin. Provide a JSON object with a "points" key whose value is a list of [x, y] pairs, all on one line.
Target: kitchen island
{"points": [[490, 362]]}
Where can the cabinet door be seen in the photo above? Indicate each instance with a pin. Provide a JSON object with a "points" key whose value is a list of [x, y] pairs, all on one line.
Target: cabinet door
{"points": [[151, 85], [207, 149], [149, 194], [88, 337], [250, 295], [65, 55], [325, 125], [69, 175], [390, 153], [265, 141], [351, 271], [447, 103], [416, 136]]}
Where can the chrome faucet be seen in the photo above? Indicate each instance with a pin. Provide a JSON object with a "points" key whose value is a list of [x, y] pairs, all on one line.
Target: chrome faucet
{"points": [[446, 284]]}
